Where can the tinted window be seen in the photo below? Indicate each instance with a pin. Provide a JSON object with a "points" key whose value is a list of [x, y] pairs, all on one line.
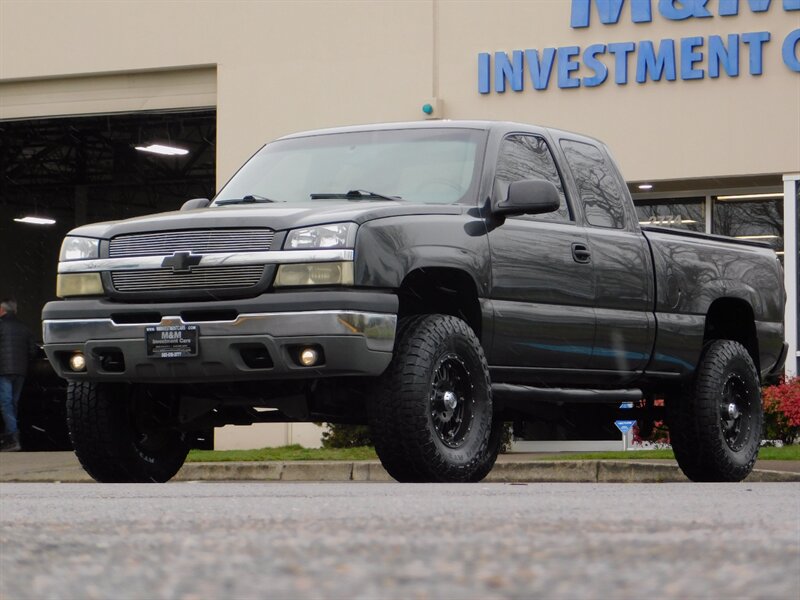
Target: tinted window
{"points": [[597, 184], [759, 220], [683, 213], [528, 157]]}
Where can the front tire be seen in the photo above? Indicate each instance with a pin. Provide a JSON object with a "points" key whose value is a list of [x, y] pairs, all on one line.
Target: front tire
{"points": [[715, 428], [431, 414], [121, 433]]}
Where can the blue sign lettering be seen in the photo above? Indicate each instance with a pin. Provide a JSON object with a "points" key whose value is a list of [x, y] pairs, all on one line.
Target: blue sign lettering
{"points": [[540, 70], [755, 42], [656, 66], [503, 69], [610, 11], [620, 52], [670, 59], [678, 10], [720, 55], [789, 51], [566, 66], [689, 57], [484, 68], [591, 61]]}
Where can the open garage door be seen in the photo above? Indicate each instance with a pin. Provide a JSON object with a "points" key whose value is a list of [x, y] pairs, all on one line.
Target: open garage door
{"points": [[58, 172]]}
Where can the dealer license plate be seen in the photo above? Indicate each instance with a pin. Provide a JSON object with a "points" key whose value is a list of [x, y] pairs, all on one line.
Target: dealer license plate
{"points": [[171, 341]]}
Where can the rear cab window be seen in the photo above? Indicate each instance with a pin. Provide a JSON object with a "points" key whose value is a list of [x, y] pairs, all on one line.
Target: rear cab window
{"points": [[601, 196]]}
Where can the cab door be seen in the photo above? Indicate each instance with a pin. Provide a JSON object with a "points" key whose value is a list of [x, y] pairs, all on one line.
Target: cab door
{"points": [[542, 285]]}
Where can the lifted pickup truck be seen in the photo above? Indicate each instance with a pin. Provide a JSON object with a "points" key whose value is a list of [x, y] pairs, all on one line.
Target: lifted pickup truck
{"points": [[430, 279]]}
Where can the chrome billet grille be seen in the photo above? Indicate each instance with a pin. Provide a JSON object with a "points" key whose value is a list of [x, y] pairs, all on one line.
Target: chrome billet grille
{"points": [[199, 278], [199, 242]]}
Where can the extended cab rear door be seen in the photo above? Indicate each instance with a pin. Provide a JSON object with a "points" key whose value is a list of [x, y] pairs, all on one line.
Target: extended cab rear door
{"points": [[620, 258]]}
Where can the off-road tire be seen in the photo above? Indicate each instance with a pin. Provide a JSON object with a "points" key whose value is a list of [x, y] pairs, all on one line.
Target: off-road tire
{"points": [[432, 351], [709, 445], [110, 446]]}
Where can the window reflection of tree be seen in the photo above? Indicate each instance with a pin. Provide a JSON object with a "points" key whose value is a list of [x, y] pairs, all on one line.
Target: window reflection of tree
{"points": [[687, 214], [597, 184], [528, 157], [737, 218]]}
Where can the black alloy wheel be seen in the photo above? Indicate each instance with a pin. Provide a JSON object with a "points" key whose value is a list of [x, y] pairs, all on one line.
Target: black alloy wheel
{"points": [[431, 414], [452, 400]]}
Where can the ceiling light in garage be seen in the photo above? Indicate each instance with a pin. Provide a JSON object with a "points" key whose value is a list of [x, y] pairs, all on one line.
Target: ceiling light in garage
{"points": [[36, 220], [751, 196], [161, 149]]}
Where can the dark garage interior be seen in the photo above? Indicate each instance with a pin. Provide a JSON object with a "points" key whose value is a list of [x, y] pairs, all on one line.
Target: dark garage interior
{"points": [[84, 169]]}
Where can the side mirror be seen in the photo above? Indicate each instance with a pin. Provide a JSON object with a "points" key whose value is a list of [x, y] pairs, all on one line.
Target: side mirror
{"points": [[529, 197], [195, 203]]}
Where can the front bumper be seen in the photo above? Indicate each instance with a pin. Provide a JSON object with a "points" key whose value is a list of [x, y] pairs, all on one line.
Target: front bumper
{"points": [[256, 338]]}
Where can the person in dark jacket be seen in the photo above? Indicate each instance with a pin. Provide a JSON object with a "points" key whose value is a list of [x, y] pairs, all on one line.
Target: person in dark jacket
{"points": [[16, 347]]}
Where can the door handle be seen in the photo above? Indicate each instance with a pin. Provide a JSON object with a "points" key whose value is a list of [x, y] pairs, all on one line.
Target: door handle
{"points": [[581, 253]]}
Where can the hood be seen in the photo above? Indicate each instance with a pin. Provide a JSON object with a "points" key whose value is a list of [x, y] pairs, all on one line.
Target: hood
{"points": [[274, 216]]}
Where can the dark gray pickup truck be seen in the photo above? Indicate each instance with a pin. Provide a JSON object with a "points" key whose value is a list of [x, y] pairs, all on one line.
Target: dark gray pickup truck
{"points": [[432, 280]]}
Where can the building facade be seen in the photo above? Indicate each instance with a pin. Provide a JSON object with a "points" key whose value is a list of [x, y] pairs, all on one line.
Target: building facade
{"points": [[699, 100]]}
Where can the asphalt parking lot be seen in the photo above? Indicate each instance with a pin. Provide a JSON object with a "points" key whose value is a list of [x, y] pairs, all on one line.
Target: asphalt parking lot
{"points": [[384, 540]]}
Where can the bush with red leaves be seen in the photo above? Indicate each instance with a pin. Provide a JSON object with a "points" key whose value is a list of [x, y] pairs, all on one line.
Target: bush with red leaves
{"points": [[782, 410]]}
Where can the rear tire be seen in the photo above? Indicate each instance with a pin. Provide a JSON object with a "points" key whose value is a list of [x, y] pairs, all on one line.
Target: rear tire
{"points": [[121, 433], [431, 414], [715, 428]]}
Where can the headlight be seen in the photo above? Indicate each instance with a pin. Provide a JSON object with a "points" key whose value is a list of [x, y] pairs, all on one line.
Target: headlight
{"points": [[79, 248], [338, 235], [79, 284], [332, 273]]}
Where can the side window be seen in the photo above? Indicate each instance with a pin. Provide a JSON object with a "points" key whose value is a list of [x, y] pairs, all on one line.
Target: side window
{"points": [[528, 157], [597, 184]]}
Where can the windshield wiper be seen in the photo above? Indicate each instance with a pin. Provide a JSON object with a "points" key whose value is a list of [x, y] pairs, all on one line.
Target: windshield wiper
{"points": [[249, 199], [355, 195]]}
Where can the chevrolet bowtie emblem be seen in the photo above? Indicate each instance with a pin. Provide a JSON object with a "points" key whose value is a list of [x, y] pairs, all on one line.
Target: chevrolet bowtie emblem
{"points": [[182, 262]]}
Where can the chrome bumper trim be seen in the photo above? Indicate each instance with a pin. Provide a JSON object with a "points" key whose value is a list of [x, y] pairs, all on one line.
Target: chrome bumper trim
{"points": [[377, 328], [133, 263]]}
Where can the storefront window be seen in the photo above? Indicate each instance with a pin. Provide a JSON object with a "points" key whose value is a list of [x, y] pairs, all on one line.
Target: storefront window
{"points": [[759, 219], [683, 213]]}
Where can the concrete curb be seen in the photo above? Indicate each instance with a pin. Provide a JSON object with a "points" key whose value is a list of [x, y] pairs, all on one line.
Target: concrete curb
{"points": [[578, 471]]}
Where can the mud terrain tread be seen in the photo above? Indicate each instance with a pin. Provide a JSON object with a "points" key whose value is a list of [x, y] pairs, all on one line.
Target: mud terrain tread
{"points": [[399, 408], [695, 431], [102, 434]]}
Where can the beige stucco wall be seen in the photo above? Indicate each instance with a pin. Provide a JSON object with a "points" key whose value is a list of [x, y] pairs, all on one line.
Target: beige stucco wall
{"points": [[267, 435], [287, 66]]}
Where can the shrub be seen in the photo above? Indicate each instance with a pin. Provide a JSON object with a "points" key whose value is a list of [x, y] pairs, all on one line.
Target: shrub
{"points": [[339, 435], [782, 410], [353, 436], [659, 436]]}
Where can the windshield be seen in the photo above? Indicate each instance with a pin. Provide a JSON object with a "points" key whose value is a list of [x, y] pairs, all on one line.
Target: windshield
{"points": [[432, 166]]}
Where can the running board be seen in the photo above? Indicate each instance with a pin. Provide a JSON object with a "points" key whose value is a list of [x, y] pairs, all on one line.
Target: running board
{"points": [[515, 392]]}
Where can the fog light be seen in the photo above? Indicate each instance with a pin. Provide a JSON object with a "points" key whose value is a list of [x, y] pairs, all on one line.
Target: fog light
{"points": [[77, 362], [308, 357]]}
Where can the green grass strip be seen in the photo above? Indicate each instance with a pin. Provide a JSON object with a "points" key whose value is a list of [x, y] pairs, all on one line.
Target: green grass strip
{"points": [[295, 452], [765, 453]]}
